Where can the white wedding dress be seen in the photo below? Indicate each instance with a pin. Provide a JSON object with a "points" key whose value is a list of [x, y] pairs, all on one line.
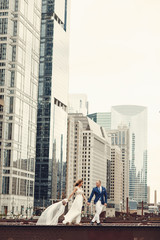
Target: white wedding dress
{"points": [[74, 214], [51, 215]]}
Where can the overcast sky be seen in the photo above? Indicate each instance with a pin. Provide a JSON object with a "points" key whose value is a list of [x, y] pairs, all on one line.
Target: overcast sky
{"points": [[115, 59]]}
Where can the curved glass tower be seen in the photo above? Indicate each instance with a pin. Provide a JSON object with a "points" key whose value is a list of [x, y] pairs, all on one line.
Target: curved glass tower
{"points": [[135, 117]]}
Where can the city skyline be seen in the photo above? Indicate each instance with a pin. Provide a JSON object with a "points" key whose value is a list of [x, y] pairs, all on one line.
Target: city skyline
{"points": [[118, 63], [115, 71]]}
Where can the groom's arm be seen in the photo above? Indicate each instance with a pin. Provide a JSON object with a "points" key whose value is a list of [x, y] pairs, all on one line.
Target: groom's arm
{"points": [[91, 196]]}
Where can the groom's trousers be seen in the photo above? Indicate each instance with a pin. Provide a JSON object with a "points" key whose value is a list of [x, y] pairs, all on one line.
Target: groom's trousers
{"points": [[99, 208]]}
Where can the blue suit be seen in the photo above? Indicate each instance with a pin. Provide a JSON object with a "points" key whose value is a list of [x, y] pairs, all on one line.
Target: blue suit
{"points": [[98, 195]]}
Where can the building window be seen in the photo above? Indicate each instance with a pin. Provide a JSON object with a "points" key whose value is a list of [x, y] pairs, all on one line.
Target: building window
{"points": [[4, 4], [49, 31], [3, 25], [5, 185], [12, 79], [3, 48], [16, 5], [1, 124], [7, 158], [1, 108], [11, 105], [14, 53], [2, 77], [31, 189], [23, 185], [9, 131], [123, 137], [15, 28]]}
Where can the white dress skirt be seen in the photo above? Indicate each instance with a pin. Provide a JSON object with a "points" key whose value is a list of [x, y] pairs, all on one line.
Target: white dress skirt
{"points": [[74, 214], [51, 215]]}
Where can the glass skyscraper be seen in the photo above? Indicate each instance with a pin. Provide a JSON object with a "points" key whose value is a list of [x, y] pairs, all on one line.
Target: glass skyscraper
{"points": [[19, 71], [135, 117], [102, 118], [50, 172]]}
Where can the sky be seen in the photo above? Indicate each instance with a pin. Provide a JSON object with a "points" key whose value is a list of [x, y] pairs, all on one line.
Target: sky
{"points": [[115, 59]]}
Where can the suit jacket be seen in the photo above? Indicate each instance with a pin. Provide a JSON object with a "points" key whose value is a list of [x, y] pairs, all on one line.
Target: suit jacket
{"points": [[98, 195]]}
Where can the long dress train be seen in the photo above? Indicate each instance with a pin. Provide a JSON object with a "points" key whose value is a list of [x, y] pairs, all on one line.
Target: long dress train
{"points": [[51, 214]]}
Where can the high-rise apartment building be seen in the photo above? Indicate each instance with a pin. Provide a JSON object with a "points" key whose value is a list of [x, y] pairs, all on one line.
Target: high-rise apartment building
{"points": [[78, 103], [52, 102], [19, 69], [116, 178], [135, 118], [155, 198], [86, 153], [120, 138], [148, 194], [102, 118]]}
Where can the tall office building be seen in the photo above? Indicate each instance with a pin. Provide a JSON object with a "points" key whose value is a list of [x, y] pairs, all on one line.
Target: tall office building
{"points": [[148, 194], [86, 153], [19, 70], [78, 103], [120, 138], [116, 178], [52, 102], [102, 118], [155, 198], [135, 117]]}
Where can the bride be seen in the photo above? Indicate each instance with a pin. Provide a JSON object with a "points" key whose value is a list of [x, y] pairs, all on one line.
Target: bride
{"points": [[51, 215], [74, 214]]}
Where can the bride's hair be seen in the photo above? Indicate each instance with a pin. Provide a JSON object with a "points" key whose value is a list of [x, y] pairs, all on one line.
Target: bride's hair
{"points": [[78, 182]]}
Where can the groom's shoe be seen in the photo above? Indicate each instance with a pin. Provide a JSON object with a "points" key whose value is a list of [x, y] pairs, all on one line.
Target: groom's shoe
{"points": [[91, 223], [99, 224]]}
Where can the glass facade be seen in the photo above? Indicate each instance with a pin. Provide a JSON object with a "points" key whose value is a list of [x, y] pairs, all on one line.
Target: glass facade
{"points": [[102, 118], [52, 103], [135, 117], [19, 61]]}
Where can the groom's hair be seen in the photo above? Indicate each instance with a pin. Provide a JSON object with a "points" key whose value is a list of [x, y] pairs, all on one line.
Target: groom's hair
{"points": [[99, 181]]}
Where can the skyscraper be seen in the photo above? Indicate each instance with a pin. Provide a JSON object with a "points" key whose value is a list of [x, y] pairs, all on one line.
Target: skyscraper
{"points": [[52, 102], [148, 194], [19, 69], [155, 198], [78, 103], [135, 117], [120, 138], [102, 118], [116, 178]]}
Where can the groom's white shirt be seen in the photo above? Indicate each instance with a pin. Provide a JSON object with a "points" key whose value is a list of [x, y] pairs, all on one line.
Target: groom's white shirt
{"points": [[99, 207]]}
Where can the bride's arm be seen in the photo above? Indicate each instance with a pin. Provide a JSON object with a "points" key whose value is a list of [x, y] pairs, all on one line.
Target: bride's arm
{"points": [[84, 198], [72, 193]]}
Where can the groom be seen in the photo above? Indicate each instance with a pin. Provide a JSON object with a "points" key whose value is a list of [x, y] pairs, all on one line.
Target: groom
{"points": [[100, 200]]}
